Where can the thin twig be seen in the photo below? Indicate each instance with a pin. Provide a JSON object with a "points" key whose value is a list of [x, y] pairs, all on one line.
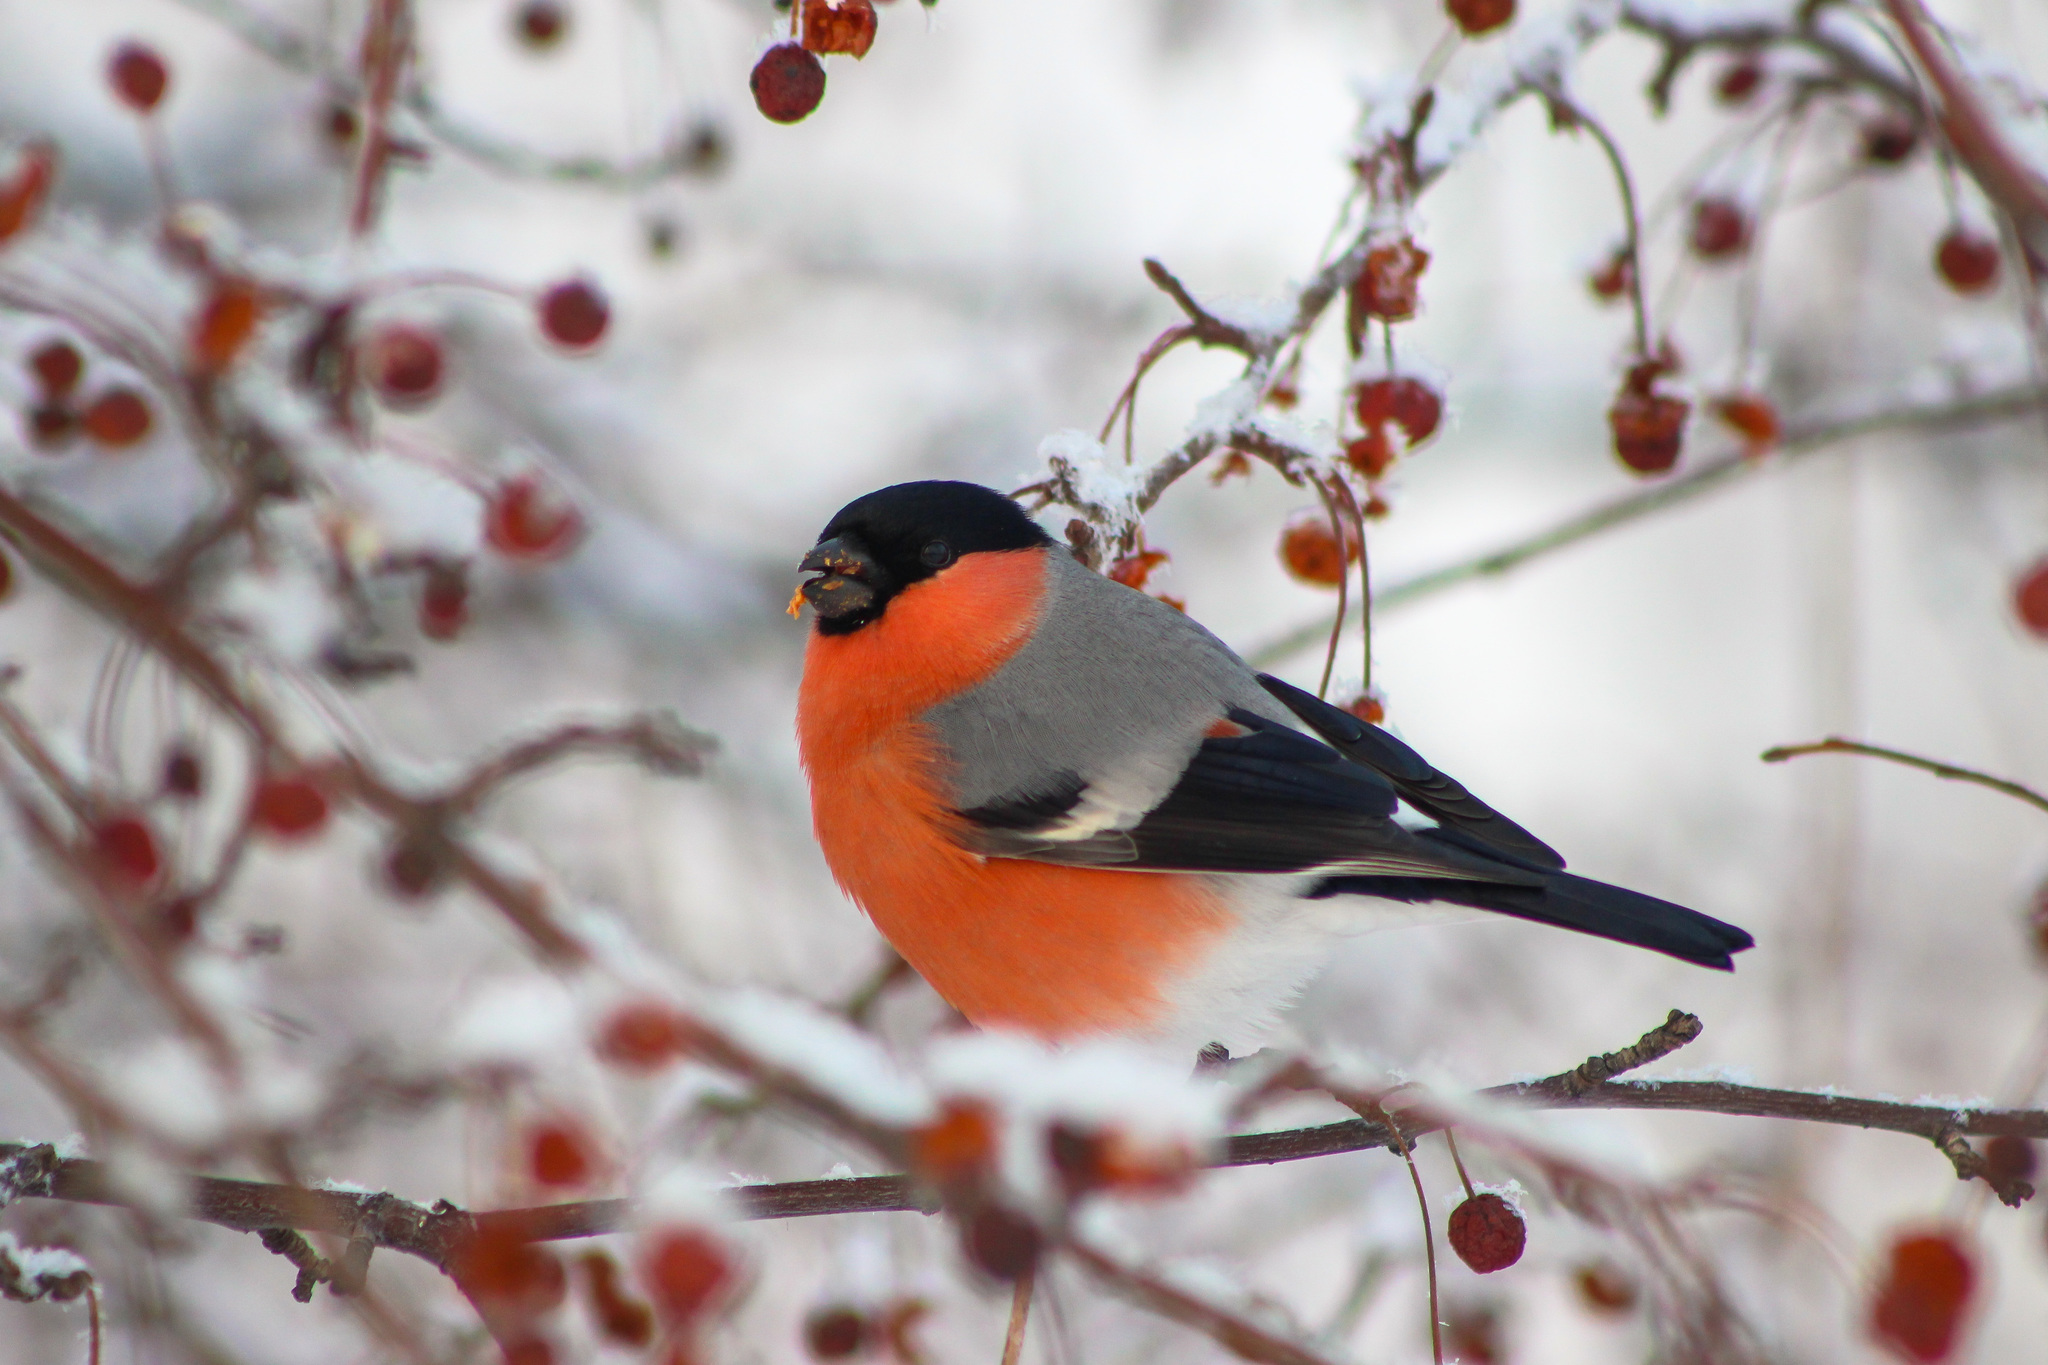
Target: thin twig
{"points": [[1836, 745], [1020, 1313]]}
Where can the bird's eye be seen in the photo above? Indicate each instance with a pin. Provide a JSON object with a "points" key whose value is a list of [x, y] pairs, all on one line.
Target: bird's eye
{"points": [[936, 555]]}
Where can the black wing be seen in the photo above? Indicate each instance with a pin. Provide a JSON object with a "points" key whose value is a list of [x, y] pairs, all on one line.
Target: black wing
{"points": [[1429, 791], [1270, 800]]}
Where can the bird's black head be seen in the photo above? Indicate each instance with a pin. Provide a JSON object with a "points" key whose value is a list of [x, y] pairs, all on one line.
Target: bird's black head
{"points": [[880, 544]]}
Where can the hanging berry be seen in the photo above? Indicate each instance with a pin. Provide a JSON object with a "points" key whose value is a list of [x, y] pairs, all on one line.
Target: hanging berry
{"points": [[1967, 260], [527, 519], [835, 1331], [1752, 416], [623, 1319], [1402, 399], [2030, 598], [184, 777], [1477, 17], [1309, 549], [224, 325], [574, 314], [1720, 228], [788, 83], [1739, 80], [1487, 1233], [404, 365], [848, 26], [22, 196], [126, 849], [1925, 1294], [138, 76], [560, 1152], [540, 25], [1648, 426], [57, 367], [117, 419], [444, 600], [686, 1271], [287, 806], [1614, 279], [643, 1036], [1605, 1288], [1389, 285], [1133, 570], [1890, 139]]}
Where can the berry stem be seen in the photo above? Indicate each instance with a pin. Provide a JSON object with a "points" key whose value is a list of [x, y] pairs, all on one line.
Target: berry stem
{"points": [[1020, 1313], [1451, 1138], [1633, 223], [1343, 586]]}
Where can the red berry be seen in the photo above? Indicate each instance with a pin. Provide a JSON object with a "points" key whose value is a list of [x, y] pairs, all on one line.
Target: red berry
{"points": [[1309, 549], [1890, 139], [623, 1319], [52, 425], [1649, 429], [835, 1332], [529, 1351], [6, 578], [57, 366], [788, 83], [1720, 229], [1612, 280], [1487, 1233], [1389, 286], [1967, 260], [404, 364], [225, 323], [184, 777], [1134, 569], [1920, 1304], [1367, 708], [1739, 80], [1402, 399], [685, 1271], [559, 1152], [2030, 598], [22, 196], [1605, 1287], [643, 1036], [340, 125], [127, 849], [415, 868], [1474, 1334], [1474, 17], [526, 520], [959, 1143], [1371, 453], [540, 24], [1003, 1243], [444, 600], [574, 314], [138, 76], [520, 1281], [117, 418], [2010, 1158], [288, 806], [848, 26], [1753, 416]]}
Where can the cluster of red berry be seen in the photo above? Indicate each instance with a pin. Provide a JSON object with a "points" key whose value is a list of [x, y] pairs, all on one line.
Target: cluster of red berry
{"points": [[789, 79]]}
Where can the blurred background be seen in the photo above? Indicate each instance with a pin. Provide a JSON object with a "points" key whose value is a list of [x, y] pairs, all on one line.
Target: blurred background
{"points": [[923, 279]]}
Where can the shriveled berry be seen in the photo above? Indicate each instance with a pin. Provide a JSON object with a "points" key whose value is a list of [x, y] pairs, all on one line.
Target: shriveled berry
{"points": [[287, 806], [1890, 139], [1720, 229], [560, 1152], [574, 314], [225, 323], [127, 848], [1487, 1233], [1751, 415], [1739, 80], [848, 26], [22, 196], [835, 1331], [416, 867], [1134, 569], [1921, 1302], [117, 418], [1310, 549], [52, 425], [1371, 453], [1605, 1287], [1475, 17], [1367, 708], [138, 75], [1613, 280], [444, 600], [1649, 429], [788, 83], [1967, 260], [184, 775], [622, 1318], [404, 364], [686, 1270], [1001, 1242], [2010, 1158], [528, 520], [2030, 598], [340, 125], [57, 366], [1390, 284], [541, 24]]}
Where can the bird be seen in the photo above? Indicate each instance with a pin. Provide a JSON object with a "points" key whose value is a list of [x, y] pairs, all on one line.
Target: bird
{"points": [[1076, 813]]}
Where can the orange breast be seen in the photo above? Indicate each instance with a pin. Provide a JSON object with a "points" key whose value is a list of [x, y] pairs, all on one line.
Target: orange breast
{"points": [[1054, 950]]}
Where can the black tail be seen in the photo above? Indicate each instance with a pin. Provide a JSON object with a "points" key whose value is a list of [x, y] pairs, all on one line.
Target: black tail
{"points": [[1570, 903]]}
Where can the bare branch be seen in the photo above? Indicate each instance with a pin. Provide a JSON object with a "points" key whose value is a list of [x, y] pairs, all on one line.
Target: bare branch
{"points": [[1232, 1330], [1836, 745]]}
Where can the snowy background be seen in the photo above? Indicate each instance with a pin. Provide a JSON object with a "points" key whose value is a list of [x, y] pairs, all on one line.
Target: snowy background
{"points": [[924, 279]]}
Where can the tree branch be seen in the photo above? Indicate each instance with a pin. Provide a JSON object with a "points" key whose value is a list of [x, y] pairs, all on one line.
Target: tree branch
{"points": [[1835, 745]]}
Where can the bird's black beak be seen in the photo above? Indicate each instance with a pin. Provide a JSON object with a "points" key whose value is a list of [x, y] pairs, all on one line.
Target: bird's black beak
{"points": [[849, 582]]}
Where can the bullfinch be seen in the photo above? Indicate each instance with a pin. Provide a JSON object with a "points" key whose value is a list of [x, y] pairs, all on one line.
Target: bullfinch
{"points": [[1076, 812]]}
